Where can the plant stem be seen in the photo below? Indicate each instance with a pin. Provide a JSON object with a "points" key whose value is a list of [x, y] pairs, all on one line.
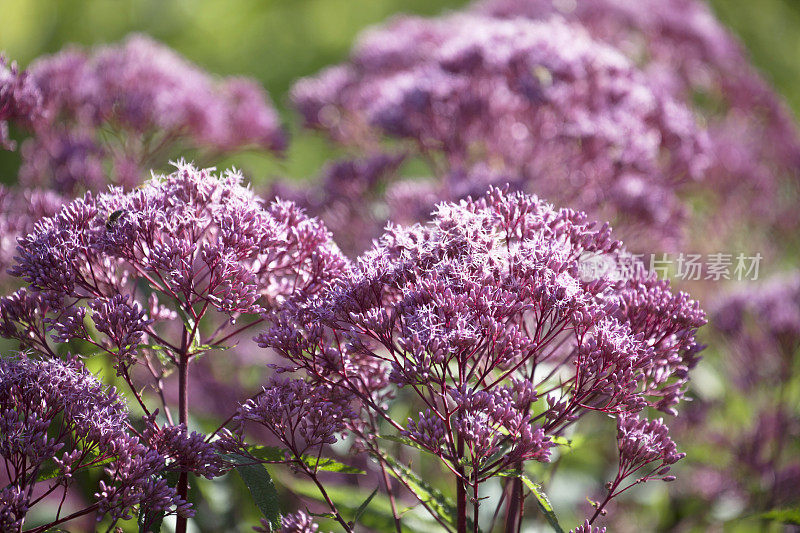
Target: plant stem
{"points": [[388, 483], [337, 516], [183, 418], [514, 505], [476, 502], [602, 506], [461, 492]]}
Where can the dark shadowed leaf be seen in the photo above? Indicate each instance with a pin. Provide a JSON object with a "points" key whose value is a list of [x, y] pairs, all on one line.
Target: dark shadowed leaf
{"points": [[258, 480]]}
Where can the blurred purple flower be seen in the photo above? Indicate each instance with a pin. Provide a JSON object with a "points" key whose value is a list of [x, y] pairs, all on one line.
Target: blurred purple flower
{"points": [[541, 100], [754, 142], [20, 100], [115, 111]]}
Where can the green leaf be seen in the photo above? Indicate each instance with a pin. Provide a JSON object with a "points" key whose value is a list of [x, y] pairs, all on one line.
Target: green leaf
{"points": [[784, 516], [541, 498], [331, 465], [274, 454], [202, 348], [437, 502], [363, 506], [575, 442], [404, 440], [561, 441], [376, 517], [258, 480]]}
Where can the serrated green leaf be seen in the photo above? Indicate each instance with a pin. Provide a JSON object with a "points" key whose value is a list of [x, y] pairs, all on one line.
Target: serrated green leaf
{"points": [[404, 440], [331, 465], [784, 516], [437, 502], [259, 482], [275, 454], [363, 506], [542, 500], [377, 516]]}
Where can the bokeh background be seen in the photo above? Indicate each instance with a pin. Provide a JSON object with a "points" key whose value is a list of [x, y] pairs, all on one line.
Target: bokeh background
{"points": [[279, 41]]}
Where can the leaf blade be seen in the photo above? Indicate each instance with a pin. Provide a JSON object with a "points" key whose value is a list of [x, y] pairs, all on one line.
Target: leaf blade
{"points": [[363, 506], [259, 482], [542, 501], [437, 502], [275, 454]]}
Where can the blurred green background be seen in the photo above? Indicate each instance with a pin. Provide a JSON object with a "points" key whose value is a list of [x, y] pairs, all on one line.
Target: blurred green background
{"points": [[278, 41]]}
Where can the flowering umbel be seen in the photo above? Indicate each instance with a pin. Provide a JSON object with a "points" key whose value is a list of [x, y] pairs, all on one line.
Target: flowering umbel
{"points": [[152, 99], [57, 420], [20, 100], [156, 277], [539, 104], [754, 144], [483, 318]]}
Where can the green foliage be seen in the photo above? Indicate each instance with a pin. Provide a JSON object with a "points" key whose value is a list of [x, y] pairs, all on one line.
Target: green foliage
{"points": [[259, 481], [783, 516], [364, 505], [542, 501], [434, 499], [274, 454]]}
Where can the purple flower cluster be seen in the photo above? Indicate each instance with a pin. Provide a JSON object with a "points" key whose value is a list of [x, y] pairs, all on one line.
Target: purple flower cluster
{"points": [[114, 272], [191, 235], [567, 116], [301, 415], [483, 318], [128, 105], [202, 241], [763, 319], [20, 100], [754, 144], [185, 452], [58, 420], [641, 443]]}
